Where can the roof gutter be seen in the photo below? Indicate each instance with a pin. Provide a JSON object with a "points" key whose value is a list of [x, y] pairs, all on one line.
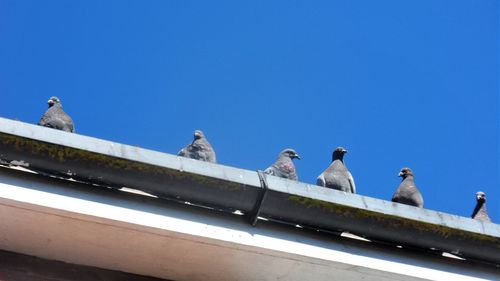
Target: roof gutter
{"points": [[229, 189]]}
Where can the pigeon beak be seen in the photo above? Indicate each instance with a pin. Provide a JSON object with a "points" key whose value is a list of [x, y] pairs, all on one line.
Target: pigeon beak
{"points": [[297, 156], [400, 174], [50, 102], [345, 151]]}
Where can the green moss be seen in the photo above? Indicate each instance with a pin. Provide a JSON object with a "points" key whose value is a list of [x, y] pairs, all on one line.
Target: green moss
{"points": [[68, 155], [313, 203], [392, 222]]}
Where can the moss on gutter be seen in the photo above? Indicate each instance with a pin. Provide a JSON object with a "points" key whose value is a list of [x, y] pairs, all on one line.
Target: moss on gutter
{"points": [[68, 156], [392, 222]]}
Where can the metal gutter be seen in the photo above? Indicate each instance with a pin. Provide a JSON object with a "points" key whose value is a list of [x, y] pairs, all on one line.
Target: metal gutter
{"points": [[71, 222], [226, 188]]}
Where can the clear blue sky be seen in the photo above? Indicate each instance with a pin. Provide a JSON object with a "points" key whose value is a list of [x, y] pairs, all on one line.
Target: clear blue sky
{"points": [[397, 83]]}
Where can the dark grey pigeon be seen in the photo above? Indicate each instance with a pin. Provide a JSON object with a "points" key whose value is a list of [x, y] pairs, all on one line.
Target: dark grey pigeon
{"points": [[337, 176], [480, 212], [56, 118], [199, 149], [284, 167], [408, 192]]}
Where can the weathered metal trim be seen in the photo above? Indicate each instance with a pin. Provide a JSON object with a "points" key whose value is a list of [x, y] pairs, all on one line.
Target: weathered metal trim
{"points": [[117, 165], [380, 220], [226, 188]]}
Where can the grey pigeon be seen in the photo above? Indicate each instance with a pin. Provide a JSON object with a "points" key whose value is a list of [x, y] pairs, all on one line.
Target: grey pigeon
{"points": [[408, 192], [337, 176], [284, 167], [199, 149], [480, 212], [56, 118]]}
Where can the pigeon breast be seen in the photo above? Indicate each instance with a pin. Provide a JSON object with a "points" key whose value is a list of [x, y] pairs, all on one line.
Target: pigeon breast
{"points": [[408, 193]]}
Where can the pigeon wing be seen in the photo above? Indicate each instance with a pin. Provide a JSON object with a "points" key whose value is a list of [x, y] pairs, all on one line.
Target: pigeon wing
{"points": [[417, 197], [68, 122], [351, 182], [184, 152], [321, 180], [270, 171], [207, 150]]}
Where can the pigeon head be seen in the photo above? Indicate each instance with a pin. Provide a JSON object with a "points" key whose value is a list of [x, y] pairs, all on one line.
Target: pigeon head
{"points": [[290, 153], [198, 135], [405, 172], [338, 153], [53, 100], [480, 196]]}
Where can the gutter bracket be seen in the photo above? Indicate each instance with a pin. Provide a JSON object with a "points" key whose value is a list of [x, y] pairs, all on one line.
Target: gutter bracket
{"points": [[254, 215]]}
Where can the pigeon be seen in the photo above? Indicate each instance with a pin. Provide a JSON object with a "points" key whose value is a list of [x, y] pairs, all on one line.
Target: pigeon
{"points": [[408, 192], [199, 149], [480, 212], [337, 176], [284, 167], [56, 118]]}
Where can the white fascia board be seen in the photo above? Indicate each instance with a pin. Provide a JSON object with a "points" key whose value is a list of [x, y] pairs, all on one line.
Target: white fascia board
{"points": [[86, 225]]}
